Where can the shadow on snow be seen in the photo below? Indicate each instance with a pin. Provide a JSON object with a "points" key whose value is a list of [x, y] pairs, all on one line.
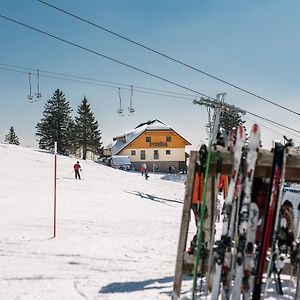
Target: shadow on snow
{"points": [[151, 197], [134, 286]]}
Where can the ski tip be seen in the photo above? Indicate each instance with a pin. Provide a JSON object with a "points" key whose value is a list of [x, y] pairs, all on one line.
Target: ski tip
{"points": [[255, 128], [241, 131]]}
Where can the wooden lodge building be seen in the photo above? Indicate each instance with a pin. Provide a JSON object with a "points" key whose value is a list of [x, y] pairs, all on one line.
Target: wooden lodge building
{"points": [[153, 143]]}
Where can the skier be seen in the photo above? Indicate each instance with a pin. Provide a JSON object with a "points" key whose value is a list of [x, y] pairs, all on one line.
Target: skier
{"points": [[142, 169], [146, 174], [77, 167]]}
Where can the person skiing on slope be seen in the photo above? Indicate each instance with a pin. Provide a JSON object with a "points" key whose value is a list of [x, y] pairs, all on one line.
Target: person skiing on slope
{"points": [[77, 167], [142, 169]]}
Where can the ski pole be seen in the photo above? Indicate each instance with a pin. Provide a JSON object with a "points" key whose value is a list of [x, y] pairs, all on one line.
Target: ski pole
{"points": [[200, 224], [217, 182]]}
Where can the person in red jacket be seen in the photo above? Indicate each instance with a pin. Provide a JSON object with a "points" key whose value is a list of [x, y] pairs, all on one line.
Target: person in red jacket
{"points": [[77, 167]]}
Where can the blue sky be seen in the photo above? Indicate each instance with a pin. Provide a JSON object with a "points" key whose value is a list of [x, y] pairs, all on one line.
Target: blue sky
{"points": [[252, 44]]}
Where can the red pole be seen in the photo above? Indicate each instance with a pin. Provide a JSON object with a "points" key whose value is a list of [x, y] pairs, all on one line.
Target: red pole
{"points": [[55, 164]]}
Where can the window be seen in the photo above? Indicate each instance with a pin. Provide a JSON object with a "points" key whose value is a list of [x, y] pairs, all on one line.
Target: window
{"points": [[156, 154], [148, 139], [143, 154], [168, 152], [168, 139], [133, 152]]}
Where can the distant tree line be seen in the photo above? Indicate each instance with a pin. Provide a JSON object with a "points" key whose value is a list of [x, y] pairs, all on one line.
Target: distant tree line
{"points": [[57, 125]]}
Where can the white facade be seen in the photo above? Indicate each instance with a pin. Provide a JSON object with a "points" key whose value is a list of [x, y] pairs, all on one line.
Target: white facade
{"points": [[176, 154]]}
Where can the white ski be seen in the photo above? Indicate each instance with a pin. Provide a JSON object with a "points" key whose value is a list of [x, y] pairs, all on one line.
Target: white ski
{"points": [[250, 252], [245, 239], [225, 241]]}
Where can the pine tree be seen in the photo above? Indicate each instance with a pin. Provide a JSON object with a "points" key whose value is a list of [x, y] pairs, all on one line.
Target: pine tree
{"points": [[87, 129], [230, 119], [56, 124], [73, 138], [11, 137]]}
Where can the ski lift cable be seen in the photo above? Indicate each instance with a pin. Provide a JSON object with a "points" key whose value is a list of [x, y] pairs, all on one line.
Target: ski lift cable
{"points": [[170, 58], [103, 56], [43, 72], [140, 91], [275, 131], [273, 122]]}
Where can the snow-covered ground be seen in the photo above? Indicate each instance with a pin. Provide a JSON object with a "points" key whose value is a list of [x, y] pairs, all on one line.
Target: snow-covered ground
{"points": [[116, 236]]}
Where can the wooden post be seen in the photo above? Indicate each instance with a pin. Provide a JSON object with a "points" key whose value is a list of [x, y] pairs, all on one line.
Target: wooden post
{"points": [[185, 219]]}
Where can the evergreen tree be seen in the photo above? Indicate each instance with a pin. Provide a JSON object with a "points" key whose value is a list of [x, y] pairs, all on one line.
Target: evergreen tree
{"points": [[11, 137], [230, 119], [87, 129], [73, 138], [56, 124]]}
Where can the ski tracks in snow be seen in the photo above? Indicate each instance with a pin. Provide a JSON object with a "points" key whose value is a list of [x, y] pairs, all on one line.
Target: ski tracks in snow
{"points": [[76, 285]]}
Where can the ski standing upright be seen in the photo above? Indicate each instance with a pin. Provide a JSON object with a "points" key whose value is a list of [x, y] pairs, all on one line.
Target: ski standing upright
{"points": [[225, 242], [248, 220]]}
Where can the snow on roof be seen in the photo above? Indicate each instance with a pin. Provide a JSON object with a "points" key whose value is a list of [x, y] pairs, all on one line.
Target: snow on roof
{"points": [[133, 134], [156, 121], [110, 145]]}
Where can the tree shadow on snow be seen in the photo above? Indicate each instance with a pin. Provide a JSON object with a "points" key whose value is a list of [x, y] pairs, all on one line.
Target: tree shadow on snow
{"points": [[134, 286], [151, 197]]}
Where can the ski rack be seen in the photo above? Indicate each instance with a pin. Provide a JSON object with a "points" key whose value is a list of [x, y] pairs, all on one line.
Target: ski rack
{"points": [[185, 261]]}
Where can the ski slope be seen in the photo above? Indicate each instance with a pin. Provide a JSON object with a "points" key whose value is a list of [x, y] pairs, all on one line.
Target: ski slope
{"points": [[116, 235]]}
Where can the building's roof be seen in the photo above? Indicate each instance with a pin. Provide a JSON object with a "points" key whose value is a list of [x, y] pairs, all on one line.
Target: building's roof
{"points": [[117, 145], [153, 122]]}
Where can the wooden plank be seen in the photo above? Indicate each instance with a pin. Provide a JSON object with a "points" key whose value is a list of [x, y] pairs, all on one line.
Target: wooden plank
{"points": [[185, 219], [263, 166]]}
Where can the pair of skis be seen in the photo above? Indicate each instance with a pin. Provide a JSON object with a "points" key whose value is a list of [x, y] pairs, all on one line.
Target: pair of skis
{"points": [[247, 224], [270, 216], [249, 214]]}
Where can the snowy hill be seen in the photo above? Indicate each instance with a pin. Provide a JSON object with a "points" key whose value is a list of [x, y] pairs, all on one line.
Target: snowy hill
{"points": [[117, 233]]}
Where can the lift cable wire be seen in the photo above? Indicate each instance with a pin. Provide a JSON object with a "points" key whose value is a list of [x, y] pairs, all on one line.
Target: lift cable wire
{"points": [[275, 131], [273, 122], [169, 57], [130, 66], [93, 80], [143, 90], [104, 56], [146, 92]]}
